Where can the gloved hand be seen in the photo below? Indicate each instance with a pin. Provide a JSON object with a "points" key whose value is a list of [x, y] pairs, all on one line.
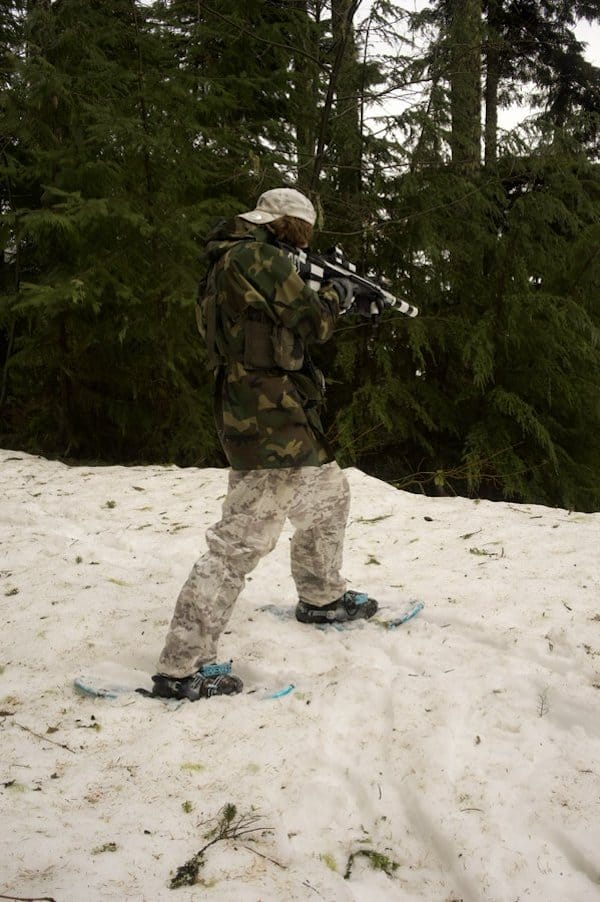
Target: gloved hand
{"points": [[369, 304], [345, 291]]}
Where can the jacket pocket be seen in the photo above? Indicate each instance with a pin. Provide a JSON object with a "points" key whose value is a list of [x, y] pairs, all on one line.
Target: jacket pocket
{"points": [[288, 350], [258, 345]]}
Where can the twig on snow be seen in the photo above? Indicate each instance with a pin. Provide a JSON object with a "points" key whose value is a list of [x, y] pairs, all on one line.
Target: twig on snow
{"points": [[29, 898], [61, 745]]}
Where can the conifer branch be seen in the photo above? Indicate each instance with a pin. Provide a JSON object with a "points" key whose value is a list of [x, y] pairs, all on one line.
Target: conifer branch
{"points": [[229, 825], [293, 50]]}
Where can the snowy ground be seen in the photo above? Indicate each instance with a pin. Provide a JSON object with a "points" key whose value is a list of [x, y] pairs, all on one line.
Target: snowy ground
{"points": [[463, 748]]}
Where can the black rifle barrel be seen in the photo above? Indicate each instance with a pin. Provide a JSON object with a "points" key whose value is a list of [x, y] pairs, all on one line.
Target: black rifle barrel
{"points": [[315, 269]]}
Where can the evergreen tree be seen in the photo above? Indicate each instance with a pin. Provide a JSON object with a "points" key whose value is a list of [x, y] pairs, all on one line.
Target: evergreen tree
{"points": [[122, 124], [500, 399], [10, 42], [106, 200], [534, 43], [235, 60]]}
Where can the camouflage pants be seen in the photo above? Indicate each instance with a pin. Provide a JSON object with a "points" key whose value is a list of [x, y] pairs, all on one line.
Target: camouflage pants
{"points": [[315, 499]]}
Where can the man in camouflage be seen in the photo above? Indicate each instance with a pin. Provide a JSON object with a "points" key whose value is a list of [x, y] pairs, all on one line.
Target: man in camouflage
{"points": [[259, 319]]}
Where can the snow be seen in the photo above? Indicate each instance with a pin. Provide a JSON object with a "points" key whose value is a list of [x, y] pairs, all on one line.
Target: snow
{"points": [[464, 746]]}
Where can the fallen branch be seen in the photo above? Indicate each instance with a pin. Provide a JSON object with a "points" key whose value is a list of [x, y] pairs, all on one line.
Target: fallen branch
{"points": [[266, 857], [29, 898], [61, 745], [229, 826]]}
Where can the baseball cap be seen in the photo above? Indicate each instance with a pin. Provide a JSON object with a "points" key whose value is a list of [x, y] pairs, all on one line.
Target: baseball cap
{"points": [[281, 202]]}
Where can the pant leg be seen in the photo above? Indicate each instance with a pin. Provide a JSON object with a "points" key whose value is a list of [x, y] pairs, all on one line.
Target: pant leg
{"points": [[253, 515], [319, 513]]}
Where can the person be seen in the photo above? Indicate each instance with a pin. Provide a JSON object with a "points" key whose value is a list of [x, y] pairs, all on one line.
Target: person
{"points": [[259, 321]]}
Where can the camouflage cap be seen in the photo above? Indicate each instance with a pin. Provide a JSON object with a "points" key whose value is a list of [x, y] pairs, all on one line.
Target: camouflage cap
{"points": [[281, 202]]}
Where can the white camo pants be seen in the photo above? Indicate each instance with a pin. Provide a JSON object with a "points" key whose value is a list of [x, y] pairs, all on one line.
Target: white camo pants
{"points": [[315, 499]]}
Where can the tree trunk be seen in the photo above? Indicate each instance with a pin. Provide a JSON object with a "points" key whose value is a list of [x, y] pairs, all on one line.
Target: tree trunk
{"points": [[346, 131], [306, 93], [492, 81], [344, 48], [465, 85]]}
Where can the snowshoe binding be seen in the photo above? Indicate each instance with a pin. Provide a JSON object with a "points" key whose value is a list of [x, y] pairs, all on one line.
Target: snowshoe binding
{"points": [[211, 679], [350, 606]]}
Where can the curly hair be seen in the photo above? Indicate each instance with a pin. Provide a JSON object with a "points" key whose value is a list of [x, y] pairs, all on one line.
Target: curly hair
{"points": [[292, 230]]}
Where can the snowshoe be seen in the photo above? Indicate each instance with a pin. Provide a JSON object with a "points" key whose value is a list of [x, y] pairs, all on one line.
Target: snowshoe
{"points": [[351, 606], [211, 679]]}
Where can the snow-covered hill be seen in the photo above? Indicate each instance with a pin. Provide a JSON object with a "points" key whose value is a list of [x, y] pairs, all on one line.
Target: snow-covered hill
{"points": [[460, 752]]}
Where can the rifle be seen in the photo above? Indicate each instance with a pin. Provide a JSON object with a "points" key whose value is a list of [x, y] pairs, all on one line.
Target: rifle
{"points": [[333, 264]]}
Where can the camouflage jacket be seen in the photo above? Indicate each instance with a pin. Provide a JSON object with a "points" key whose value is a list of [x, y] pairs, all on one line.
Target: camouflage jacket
{"points": [[259, 319]]}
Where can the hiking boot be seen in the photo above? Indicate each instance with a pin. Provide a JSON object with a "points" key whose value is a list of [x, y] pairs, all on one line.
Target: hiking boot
{"points": [[351, 606], [211, 679]]}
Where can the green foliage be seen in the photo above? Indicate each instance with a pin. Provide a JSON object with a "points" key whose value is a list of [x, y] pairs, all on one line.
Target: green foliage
{"points": [[109, 176], [501, 393], [377, 860]]}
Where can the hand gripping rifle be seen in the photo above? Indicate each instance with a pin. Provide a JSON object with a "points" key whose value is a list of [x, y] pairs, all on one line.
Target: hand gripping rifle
{"points": [[315, 269]]}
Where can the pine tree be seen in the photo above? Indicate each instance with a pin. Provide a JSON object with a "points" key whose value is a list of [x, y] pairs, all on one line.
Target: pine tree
{"points": [[107, 198], [10, 264], [122, 124], [535, 43], [499, 399]]}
